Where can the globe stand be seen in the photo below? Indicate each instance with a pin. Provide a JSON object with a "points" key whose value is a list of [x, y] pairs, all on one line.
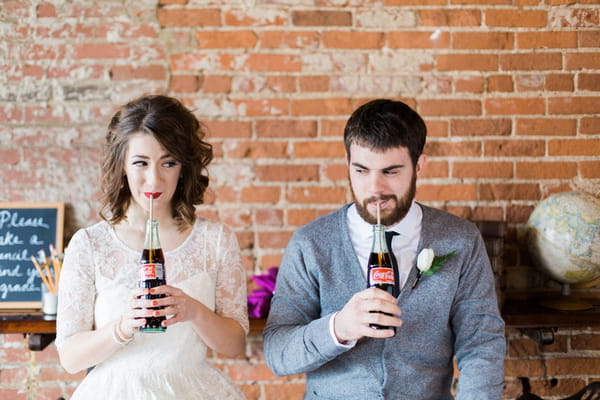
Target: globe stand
{"points": [[566, 302]]}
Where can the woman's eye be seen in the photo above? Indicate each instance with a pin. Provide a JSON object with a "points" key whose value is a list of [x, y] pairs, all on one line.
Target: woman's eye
{"points": [[170, 164], [139, 163]]}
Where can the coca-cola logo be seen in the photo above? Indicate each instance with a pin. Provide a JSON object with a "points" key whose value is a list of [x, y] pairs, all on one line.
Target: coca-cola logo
{"points": [[382, 276]]}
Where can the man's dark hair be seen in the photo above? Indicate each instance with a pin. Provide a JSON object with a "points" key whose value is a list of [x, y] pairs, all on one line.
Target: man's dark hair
{"points": [[383, 124]]}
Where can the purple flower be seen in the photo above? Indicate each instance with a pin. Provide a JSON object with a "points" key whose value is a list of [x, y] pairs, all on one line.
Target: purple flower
{"points": [[259, 302]]}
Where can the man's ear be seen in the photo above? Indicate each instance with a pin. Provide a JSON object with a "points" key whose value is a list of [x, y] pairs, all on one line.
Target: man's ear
{"points": [[420, 167]]}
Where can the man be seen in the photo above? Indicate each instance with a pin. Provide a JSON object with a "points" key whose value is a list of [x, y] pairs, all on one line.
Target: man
{"points": [[320, 316]]}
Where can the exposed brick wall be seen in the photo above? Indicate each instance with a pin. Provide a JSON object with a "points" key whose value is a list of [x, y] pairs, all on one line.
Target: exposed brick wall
{"points": [[509, 90]]}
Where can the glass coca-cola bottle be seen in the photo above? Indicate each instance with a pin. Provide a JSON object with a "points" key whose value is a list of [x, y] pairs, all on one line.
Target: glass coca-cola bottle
{"points": [[380, 273], [152, 273]]}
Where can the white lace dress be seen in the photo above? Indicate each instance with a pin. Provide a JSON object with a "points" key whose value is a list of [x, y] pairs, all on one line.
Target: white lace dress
{"points": [[99, 272]]}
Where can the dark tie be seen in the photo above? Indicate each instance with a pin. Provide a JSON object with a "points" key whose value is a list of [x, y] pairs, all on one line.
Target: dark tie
{"points": [[389, 235]]}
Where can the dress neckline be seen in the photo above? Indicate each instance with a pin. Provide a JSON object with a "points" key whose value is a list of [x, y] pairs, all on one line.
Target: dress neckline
{"points": [[195, 226]]}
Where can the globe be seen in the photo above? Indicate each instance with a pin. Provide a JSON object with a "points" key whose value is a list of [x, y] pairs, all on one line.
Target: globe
{"points": [[563, 237]]}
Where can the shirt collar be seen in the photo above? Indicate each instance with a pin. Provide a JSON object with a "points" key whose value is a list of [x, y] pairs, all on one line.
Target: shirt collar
{"points": [[406, 226]]}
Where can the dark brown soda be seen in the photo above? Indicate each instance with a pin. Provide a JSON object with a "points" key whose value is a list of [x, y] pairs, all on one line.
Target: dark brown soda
{"points": [[153, 256], [380, 273]]}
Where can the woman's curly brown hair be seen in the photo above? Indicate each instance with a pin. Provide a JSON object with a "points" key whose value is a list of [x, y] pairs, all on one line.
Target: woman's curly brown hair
{"points": [[178, 132]]}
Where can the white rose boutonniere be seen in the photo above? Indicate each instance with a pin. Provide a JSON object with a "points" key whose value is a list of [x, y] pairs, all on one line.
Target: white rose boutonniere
{"points": [[428, 263]]}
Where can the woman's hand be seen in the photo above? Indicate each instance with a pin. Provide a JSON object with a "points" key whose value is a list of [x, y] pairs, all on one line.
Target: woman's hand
{"points": [[135, 313], [178, 306]]}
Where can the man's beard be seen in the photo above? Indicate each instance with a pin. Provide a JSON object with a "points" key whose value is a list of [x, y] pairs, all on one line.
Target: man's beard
{"points": [[402, 205]]}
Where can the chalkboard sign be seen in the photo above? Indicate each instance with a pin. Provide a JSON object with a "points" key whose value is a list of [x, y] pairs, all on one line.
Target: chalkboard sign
{"points": [[25, 229]]}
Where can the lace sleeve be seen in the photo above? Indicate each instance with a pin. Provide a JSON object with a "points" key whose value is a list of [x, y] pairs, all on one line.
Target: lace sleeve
{"points": [[76, 291], [231, 300]]}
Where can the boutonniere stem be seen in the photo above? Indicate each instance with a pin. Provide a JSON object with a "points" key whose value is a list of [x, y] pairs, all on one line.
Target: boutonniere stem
{"points": [[428, 263]]}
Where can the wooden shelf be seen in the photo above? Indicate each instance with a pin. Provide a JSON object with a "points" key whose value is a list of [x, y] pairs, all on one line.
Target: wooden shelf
{"points": [[40, 328]]}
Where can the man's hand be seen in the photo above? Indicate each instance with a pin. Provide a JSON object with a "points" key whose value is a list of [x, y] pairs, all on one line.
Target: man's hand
{"points": [[365, 308]]}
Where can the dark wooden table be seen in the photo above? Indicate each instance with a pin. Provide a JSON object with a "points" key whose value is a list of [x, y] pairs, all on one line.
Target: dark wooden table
{"points": [[520, 311], [40, 328]]}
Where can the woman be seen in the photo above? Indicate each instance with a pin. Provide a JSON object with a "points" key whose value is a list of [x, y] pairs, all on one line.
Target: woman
{"points": [[154, 144]]}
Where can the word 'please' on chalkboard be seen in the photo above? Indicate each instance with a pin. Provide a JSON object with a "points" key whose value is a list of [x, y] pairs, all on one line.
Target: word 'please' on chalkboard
{"points": [[25, 229]]}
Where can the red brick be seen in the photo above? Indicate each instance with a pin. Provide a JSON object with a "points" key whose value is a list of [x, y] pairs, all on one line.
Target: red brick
{"points": [[549, 40], [226, 39], [333, 127], [261, 194], [335, 172], [481, 127], [288, 391], [530, 61], [588, 82], [316, 195], [287, 173], [216, 84], [473, 84], [100, 51], [514, 148], [585, 341], [449, 107], [46, 10], [414, 2], [516, 18], [184, 83], [546, 127], [572, 366], [437, 128], [573, 105], [319, 83], [254, 149], [287, 39], [418, 40], [487, 169], [589, 38], [482, 40], [508, 106], [589, 169], [579, 61], [450, 17], [281, 84], [283, 128], [456, 192], [322, 18], [228, 129], [182, 17], [329, 106], [128, 72], [273, 240], [574, 147], [322, 149], [560, 82], [249, 17], [500, 83], [453, 149], [589, 125], [509, 192], [299, 217], [271, 62], [546, 170], [352, 40], [436, 169], [466, 62], [268, 217]]}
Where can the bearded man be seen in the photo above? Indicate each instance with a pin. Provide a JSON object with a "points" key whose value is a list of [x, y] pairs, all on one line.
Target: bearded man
{"points": [[322, 314]]}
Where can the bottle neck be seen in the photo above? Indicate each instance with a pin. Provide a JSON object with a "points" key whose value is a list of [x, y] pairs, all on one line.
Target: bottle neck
{"points": [[379, 242], [151, 240]]}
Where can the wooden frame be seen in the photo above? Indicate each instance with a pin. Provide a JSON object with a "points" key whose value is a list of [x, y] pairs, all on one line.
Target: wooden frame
{"points": [[26, 228]]}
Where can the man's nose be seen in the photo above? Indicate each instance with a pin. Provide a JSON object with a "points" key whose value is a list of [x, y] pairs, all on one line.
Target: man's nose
{"points": [[376, 183]]}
